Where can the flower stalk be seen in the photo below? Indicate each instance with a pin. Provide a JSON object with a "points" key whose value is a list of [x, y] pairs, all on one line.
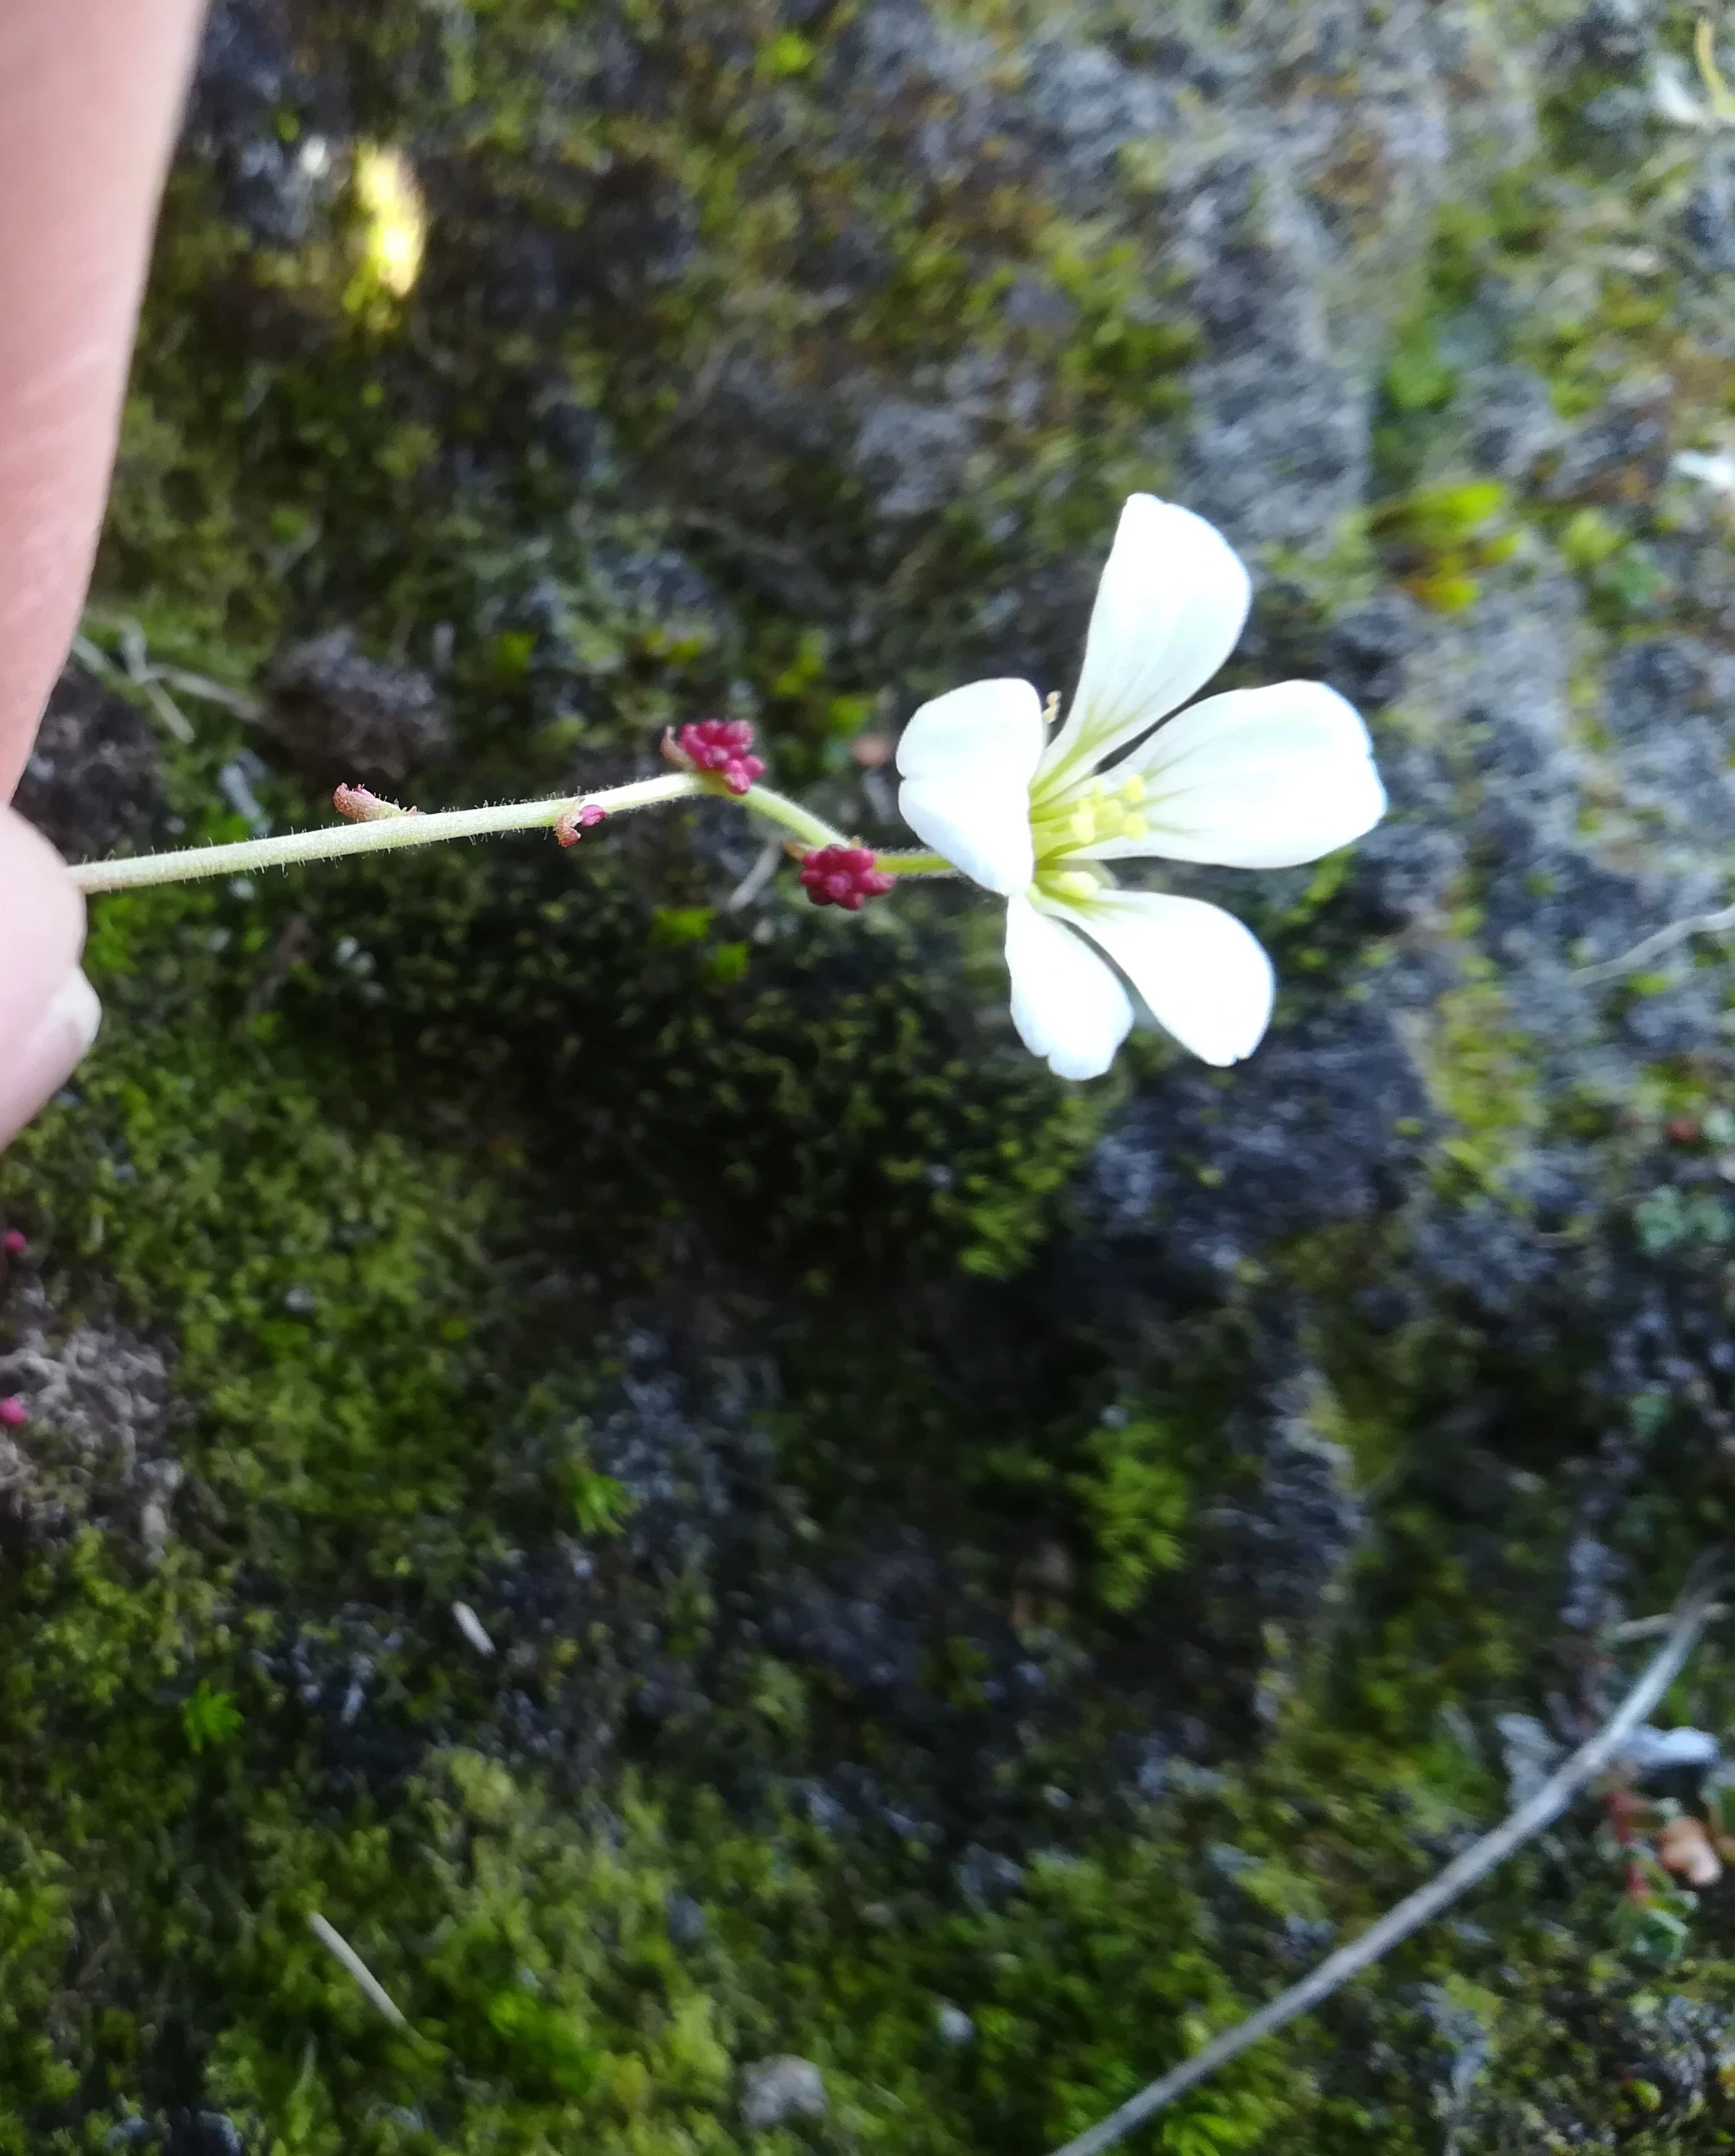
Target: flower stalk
{"points": [[376, 827], [377, 835], [1038, 809]]}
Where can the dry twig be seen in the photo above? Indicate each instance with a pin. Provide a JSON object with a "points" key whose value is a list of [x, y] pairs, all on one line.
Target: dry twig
{"points": [[333, 1940], [1697, 1605], [1654, 945]]}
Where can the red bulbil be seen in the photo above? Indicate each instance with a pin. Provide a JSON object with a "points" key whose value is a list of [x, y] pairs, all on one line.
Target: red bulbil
{"points": [[13, 1413], [1623, 1808], [360, 805], [15, 1242], [843, 875], [723, 747], [569, 829]]}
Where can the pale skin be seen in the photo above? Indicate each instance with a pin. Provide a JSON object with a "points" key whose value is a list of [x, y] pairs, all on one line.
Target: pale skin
{"points": [[90, 91]]}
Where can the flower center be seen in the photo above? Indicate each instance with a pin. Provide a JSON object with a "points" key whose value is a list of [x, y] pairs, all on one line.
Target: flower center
{"points": [[1075, 818], [1070, 884]]}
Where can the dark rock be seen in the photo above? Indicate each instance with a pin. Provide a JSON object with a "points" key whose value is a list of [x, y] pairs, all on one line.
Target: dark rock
{"points": [[987, 1878], [97, 1447], [1205, 1170], [94, 780], [1708, 221], [1509, 419], [686, 1920], [204, 2133], [870, 1632], [1368, 644], [343, 715], [1620, 455], [1609, 34], [1679, 2043], [273, 177], [1279, 445], [1273, 1552], [775, 2091]]}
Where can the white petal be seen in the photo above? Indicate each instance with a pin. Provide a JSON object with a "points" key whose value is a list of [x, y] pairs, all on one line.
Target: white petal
{"points": [[1259, 778], [1065, 1003], [1205, 976], [968, 759], [1169, 612], [1671, 98]]}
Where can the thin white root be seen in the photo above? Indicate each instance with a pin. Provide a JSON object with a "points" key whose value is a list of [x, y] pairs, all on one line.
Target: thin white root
{"points": [[1697, 1607], [472, 1627], [330, 1937], [1654, 946]]}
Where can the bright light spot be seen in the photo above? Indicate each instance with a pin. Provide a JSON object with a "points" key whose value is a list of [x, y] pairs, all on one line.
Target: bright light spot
{"points": [[395, 216]]}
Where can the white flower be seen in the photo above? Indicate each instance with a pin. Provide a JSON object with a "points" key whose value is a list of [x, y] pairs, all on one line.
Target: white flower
{"points": [[1258, 779]]}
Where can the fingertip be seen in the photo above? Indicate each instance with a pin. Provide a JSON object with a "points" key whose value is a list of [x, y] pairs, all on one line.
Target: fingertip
{"points": [[46, 1006], [48, 1054]]}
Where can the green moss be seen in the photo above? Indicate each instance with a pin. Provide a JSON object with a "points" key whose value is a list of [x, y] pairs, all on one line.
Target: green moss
{"points": [[1137, 1495], [1437, 539], [1481, 1072], [392, 1221]]}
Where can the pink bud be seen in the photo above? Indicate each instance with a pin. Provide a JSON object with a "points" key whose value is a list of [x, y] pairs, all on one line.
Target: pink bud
{"points": [[360, 805], [723, 747], [15, 1242], [13, 1413], [843, 875], [567, 828]]}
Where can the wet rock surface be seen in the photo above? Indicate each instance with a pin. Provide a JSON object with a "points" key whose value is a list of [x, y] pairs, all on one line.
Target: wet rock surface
{"points": [[93, 1439], [979, 1581], [776, 2091], [94, 782], [338, 711]]}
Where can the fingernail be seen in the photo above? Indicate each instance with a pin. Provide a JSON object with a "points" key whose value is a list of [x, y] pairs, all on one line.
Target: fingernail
{"points": [[32, 1074]]}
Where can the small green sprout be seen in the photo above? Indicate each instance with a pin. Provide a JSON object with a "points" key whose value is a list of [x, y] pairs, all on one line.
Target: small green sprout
{"points": [[210, 1717]]}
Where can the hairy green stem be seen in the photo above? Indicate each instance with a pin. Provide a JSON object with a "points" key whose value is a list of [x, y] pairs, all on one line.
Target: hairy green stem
{"points": [[779, 809], [915, 864], [385, 835], [386, 830]]}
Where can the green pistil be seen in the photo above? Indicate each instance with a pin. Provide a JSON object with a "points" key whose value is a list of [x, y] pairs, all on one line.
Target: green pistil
{"points": [[1070, 882]]}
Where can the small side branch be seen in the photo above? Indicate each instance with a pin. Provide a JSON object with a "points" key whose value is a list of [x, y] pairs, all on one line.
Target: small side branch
{"points": [[1694, 1611]]}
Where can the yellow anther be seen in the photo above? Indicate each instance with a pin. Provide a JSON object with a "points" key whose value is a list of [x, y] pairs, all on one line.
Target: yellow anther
{"points": [[1133, 791], [1084, 824], [1075, 884], [1132, 827]]}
